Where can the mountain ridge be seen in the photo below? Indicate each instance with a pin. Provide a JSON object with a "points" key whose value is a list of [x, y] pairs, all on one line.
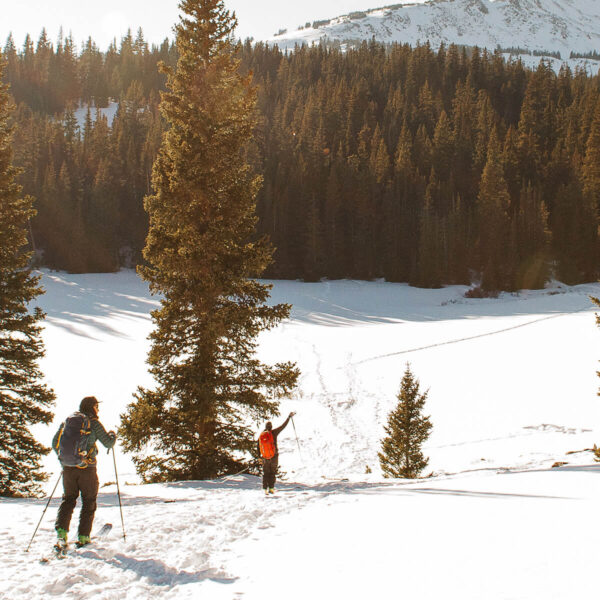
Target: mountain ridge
{"points": [[535, 26]]}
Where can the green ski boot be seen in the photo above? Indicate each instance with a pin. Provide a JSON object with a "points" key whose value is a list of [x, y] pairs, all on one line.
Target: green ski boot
{"points": [[62, 544], [82, 540]]}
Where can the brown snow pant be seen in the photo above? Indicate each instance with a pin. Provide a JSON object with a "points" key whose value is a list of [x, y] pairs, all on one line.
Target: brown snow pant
{"points": [[78, 481], [270, 471]]}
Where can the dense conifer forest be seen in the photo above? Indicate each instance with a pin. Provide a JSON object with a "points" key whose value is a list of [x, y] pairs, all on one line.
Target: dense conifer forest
{"points": [[411, 164]]}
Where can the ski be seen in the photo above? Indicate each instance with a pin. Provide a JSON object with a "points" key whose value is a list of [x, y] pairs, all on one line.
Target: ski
{"points": [[59, 551], [104, 531]]}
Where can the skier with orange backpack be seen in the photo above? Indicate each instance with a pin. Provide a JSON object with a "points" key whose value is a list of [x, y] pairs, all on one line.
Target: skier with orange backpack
{"points": [[269, 453]]}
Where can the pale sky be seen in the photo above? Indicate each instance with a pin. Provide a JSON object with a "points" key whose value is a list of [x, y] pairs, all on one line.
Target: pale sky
{"points": [[106, 19]]}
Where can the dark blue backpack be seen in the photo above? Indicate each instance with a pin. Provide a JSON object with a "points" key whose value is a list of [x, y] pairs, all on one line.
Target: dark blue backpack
{"points": [[72, 445]]}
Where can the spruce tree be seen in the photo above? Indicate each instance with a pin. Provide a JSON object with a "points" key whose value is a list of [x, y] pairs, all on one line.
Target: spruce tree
{"points": [[431, 250], [407, 429], [494, 223], [591, 194], [202, 259], [24, 400]]}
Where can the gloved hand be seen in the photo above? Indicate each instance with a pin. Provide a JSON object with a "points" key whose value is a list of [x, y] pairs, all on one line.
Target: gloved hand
{"points": [[112, 434], [292, 414]]}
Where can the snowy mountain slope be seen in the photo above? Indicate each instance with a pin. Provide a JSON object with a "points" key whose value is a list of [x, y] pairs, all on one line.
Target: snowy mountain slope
{"points": [[512, 390], [563, 26]]}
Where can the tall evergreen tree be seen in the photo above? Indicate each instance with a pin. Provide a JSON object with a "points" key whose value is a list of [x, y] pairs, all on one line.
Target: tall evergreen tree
{"points": [[494, 223], [407, 429], [24, 399], [431, 249], [201, 259], [591, 192]]}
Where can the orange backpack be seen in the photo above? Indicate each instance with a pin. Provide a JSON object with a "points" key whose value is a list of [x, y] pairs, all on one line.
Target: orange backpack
{"points": [[267, 444]]}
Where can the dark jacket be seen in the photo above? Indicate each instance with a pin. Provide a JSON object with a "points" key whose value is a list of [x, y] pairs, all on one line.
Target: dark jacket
{"points": [[98, 433], [275, 433]]}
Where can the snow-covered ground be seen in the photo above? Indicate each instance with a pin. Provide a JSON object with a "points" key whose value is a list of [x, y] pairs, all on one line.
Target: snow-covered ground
{"points": [[109, 112], [512, 391]]}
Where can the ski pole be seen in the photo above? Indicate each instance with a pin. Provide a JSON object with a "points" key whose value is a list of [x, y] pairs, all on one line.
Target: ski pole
{"points": [[45, 509], [297, 442], [119, 493]]}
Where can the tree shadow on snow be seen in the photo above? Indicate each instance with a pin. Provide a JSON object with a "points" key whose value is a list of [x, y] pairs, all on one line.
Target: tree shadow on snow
{"points": [[240, 483], [90, 300], [346, 302], [474, 494], [404, 488], [562, 469]]}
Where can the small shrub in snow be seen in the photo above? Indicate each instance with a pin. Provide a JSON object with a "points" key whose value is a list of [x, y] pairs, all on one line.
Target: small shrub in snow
{"points": [[407, 429]]}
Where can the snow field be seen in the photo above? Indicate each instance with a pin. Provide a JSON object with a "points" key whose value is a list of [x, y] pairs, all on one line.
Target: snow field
{"points": [[512, 391], [519, 535]]}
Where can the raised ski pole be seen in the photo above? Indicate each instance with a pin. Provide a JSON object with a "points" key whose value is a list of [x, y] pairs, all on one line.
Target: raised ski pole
{"points": [[45, 509], [297, 442], [119, 493]]}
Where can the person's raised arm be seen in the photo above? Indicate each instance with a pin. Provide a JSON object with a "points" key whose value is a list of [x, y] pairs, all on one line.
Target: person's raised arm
{"points": [[279, 429]]}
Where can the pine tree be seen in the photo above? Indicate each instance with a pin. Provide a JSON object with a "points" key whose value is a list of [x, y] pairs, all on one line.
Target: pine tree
{"points": [[443, 148], [591, 192], [23, 398], [201, 259], [431, 243], [494, 223], [407, 429], [533, 238]]}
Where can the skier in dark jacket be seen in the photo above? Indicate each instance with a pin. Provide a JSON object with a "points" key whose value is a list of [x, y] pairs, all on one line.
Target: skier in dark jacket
{"points": [[83, 479], [269, 453]]}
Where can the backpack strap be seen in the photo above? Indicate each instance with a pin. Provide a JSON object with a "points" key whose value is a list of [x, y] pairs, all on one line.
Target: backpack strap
{"points": [[86, 426], [86, 429], [60, 432]]}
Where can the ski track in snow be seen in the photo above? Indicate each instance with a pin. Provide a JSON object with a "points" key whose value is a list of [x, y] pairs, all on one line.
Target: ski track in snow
{"points": [[198, 532], [473, 337], [188, 537], [200, 539]]}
